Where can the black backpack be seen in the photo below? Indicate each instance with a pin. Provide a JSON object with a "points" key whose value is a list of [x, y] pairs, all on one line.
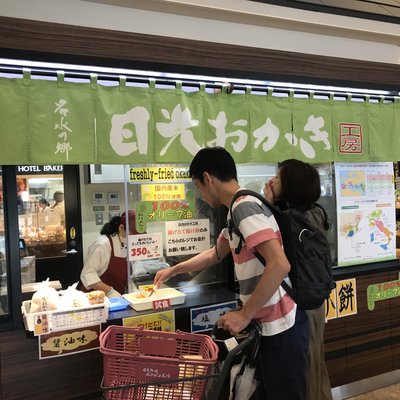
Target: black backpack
{"points": [[307, 250]]}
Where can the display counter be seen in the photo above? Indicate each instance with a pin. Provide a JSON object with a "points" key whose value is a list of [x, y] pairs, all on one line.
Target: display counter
{"points": [[79, 375], [364, 341], [195, 297], [358, 345]]}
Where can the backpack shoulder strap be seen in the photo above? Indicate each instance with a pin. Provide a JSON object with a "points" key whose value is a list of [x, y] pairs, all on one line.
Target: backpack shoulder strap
{"points": [[248, 192], [325, 214], [232, 228]]}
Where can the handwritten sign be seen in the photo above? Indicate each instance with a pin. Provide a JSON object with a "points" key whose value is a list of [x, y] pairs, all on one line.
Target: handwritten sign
{"points": [[145, 246], [187, 236]]}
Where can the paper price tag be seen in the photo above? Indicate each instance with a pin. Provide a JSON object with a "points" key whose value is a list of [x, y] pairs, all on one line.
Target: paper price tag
{"points": [[230, 343]]}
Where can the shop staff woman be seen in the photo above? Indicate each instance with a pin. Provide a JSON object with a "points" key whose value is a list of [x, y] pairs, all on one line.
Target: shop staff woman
{"points": [[106, 266]]}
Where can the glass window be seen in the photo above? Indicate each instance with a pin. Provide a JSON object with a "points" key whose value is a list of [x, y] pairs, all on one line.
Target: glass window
{"points": [[172, 206], [254, 177], [328, 201], [41, 218], [3, 265]]}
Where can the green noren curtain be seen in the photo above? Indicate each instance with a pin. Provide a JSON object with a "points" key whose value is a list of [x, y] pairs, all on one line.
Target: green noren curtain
{"points": [[61, 122]]}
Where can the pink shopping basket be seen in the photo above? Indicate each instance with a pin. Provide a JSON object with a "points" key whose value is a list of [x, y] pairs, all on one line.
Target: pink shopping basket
{"points": [[144, 365]]}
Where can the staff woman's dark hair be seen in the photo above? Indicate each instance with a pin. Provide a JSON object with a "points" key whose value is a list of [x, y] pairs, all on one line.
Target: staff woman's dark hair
{"points": [[111, 227]]}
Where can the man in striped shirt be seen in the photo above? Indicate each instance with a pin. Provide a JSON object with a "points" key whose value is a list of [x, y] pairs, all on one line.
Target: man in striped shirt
{"points": [[283, 349]]}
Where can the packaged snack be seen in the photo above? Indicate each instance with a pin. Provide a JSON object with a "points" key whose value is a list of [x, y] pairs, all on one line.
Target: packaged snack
{"points": [[45, 298], [71, 297], [96, 297]]}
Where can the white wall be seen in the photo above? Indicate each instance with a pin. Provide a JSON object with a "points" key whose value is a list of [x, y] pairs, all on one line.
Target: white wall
{"points": [[226, 21], [89, 228]]}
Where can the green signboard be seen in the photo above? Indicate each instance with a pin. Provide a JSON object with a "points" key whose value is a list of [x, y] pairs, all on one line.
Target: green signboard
{"points": [[382, 291]]}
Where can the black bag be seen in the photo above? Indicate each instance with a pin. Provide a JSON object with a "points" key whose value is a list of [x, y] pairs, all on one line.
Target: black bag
{"points": [[307, 250]]}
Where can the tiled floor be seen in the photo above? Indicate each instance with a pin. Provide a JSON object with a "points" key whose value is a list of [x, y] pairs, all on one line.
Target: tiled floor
{"points": [[387, 393]]}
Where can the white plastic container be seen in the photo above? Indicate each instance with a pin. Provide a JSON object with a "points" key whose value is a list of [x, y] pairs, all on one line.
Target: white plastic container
{"points": [[43, 322], [174, 296]]}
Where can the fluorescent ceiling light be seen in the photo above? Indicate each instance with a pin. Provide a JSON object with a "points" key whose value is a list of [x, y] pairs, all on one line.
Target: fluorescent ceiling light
{"points": [[176, 76]]}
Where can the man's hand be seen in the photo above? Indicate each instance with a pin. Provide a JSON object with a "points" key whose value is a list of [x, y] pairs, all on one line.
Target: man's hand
{"points": [[234, 322], [163, 275]]}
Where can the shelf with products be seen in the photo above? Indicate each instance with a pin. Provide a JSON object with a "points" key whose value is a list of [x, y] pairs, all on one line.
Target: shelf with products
{"points": [[44, 236]]}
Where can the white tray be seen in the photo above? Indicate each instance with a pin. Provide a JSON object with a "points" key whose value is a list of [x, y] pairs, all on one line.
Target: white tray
{"points": [[59, 320], [139, 304]]}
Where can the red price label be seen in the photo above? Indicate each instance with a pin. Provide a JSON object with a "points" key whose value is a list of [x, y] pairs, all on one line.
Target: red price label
{"points": [[138, 251], [161, 304]]}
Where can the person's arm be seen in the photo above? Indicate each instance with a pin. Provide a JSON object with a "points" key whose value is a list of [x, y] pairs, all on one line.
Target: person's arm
{"points": [[277, 268], [197, 263], [95, 265], [107, 289]]}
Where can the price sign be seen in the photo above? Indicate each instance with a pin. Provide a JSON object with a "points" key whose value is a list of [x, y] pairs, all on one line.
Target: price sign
{"points": [[146, 246]]}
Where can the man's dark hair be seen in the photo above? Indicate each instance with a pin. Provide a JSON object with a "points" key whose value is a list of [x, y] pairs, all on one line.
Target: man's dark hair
{"points": [[214, 160], [300, 184]]}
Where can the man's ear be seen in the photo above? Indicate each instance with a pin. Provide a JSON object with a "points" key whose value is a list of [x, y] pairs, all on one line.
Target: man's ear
{"points": [[208, 178]]}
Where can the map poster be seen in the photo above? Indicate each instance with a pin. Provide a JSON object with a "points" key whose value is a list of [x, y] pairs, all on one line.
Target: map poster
{"points": [[366, 212]]}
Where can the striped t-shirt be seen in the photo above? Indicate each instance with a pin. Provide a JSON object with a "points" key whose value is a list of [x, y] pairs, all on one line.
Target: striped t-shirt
{"points": [[257, 225]]}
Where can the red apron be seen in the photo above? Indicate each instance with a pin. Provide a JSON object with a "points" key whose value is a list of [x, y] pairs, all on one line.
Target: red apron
{"points": [[116, 274]]}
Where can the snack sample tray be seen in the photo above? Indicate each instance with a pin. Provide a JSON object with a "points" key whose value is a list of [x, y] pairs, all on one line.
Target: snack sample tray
{"points": [[140, 303]]}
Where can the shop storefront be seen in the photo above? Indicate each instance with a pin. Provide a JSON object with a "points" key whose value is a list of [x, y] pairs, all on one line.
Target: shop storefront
{"points": [[168, 125]]}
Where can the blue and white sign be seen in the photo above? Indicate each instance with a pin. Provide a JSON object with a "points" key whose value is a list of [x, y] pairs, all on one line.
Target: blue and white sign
{"points": [[204, 318]]}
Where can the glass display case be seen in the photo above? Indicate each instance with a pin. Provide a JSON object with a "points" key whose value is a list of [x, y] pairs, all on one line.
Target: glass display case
{"points": [[41, 213]]}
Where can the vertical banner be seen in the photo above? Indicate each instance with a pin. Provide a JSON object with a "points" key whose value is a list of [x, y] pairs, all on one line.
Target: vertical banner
{"points": [[366, 217], [124, 125], [61, 122], [227, 124], [384, 120], [179, 126], [14, 121], [351, 129], [271, 127], [312, 130]]}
